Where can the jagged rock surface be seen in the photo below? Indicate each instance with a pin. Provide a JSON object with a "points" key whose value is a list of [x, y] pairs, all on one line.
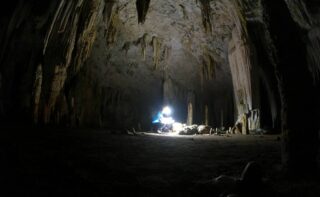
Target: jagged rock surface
{"points": [[96, 63]]}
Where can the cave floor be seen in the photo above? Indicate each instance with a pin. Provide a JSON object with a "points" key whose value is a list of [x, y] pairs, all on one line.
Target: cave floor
{"points": [[61, 162]]}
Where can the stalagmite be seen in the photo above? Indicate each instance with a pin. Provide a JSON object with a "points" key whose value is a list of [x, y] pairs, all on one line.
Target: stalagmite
{"points": [[206, 115], [221, 124], [190, 114], [191, 108]]}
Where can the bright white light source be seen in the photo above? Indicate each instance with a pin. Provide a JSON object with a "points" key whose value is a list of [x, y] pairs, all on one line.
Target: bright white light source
{"points": [[177, 127], [167, 120], [166, 110]]}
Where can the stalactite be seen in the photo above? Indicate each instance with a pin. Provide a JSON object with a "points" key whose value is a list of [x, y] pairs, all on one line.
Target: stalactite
{"points": [[37, 92], [142, 7], [65, 18], [143, 44], [126, 47], [165, 56], [206, 15], [238, 16], [49, 33], [81, 17], [313, 51], [55, 85], [112, 25], [208, 67], [92, 12], [184, 12], [300, 13], [156, 45]]}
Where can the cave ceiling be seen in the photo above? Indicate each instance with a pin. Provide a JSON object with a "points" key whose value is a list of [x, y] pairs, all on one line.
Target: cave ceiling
{"points": [[178, 40]]}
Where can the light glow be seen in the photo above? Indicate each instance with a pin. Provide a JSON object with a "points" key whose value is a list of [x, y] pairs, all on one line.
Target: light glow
{"points": [[166, 111], [177, 127], [167, 120]]}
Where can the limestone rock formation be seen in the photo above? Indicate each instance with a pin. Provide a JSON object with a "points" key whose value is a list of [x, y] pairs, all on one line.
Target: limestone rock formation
{"points": [[102, 63]]}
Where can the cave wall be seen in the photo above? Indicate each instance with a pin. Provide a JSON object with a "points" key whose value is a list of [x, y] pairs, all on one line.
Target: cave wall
{"points": [[297, 72], [223, 46], [47, 89], [284, 41], [282, 33], [110, 64], [43, 46], [103, 63]]}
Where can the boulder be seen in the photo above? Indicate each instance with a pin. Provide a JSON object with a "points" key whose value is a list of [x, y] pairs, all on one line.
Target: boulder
{"points": [[204, 129], [189, 130]]}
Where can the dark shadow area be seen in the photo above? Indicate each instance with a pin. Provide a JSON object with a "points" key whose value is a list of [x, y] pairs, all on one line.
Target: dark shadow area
{"points": [[61, 162]]}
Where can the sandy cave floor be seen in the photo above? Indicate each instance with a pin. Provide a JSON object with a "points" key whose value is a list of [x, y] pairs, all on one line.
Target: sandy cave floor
{"points": [[98, 163]]}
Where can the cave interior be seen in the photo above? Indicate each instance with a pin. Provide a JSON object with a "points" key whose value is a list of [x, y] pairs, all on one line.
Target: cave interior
{"points": [[82, 80]]}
